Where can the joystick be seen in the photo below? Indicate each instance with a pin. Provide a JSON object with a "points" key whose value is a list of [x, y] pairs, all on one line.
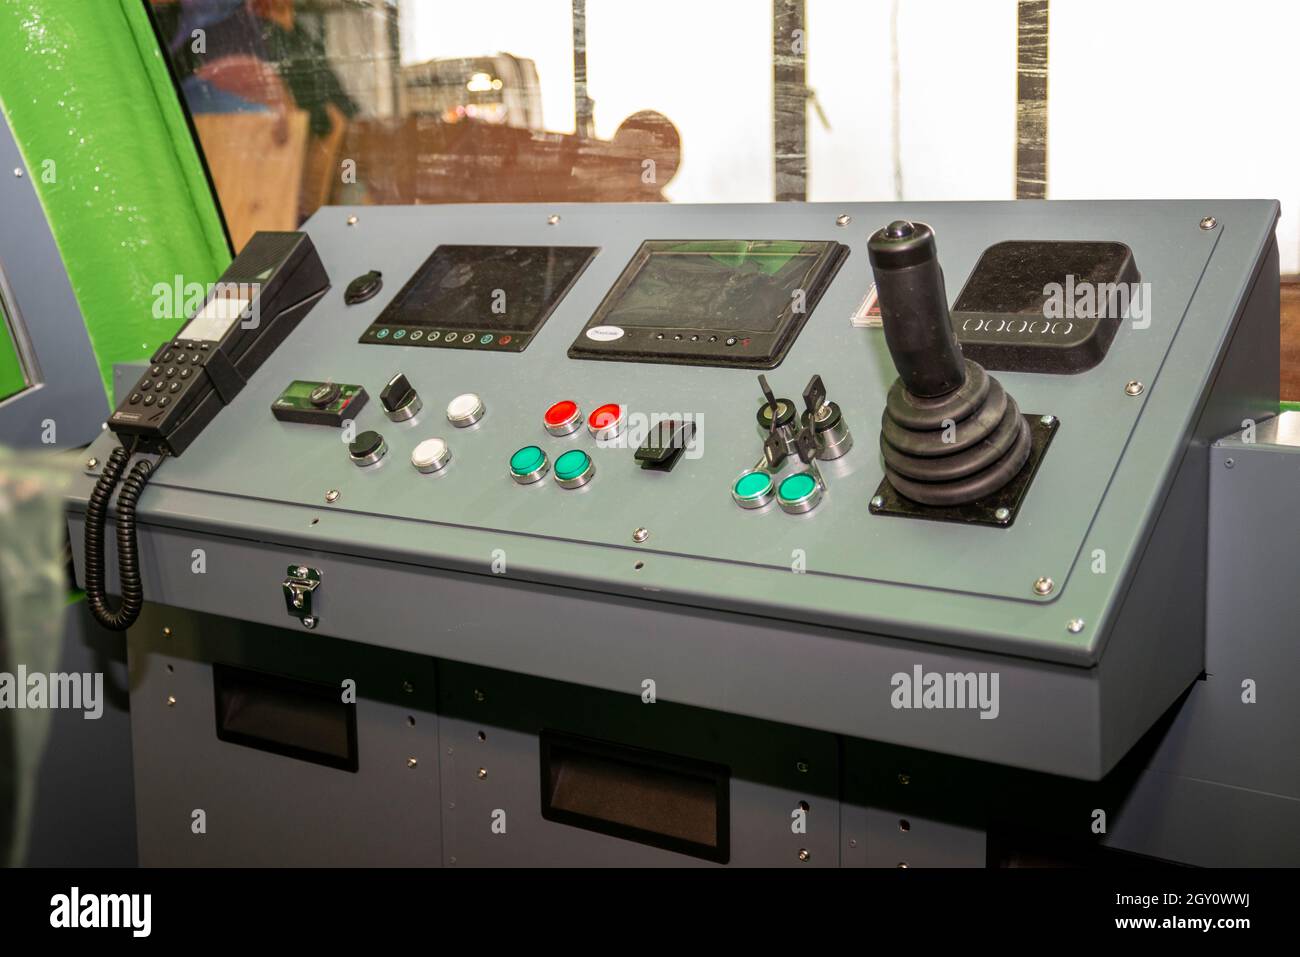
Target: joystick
{"points": [[950, 434]]}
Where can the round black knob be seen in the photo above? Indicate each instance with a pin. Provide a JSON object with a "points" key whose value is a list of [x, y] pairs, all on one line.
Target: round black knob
{"points": [[367, 448]]}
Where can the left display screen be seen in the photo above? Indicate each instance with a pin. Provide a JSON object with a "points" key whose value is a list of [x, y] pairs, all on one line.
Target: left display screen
{"points": [[494, 298]]}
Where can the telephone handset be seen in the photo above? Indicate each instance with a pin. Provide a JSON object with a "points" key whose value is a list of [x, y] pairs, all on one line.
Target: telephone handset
{"points": [[256, 303]]}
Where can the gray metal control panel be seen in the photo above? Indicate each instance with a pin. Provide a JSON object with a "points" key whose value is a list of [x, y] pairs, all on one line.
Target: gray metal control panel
{"points": [[1090, 605]]}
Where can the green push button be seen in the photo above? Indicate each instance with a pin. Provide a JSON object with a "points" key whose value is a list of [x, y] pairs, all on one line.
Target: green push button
{"points": [[528, 465], [799, 493], [753, 489], [574, 468]]}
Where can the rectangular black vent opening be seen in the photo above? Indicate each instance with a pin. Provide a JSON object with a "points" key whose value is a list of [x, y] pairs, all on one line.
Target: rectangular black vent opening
{"points": [[662, 800], [283, 715]]}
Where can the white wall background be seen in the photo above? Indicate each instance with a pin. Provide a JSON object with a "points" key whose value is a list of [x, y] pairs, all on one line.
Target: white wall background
{"points": [[1195, 98]]}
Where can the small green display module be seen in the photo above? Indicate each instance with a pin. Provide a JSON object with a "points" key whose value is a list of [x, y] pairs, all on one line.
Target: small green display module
{"points": [[319, 403]]}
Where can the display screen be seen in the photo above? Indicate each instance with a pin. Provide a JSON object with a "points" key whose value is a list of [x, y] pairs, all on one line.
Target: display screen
{"points": [[492, 297], [718, 302], [215, 318]]}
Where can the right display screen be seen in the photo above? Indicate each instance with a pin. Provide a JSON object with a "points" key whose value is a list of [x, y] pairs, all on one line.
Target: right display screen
{"points": [[710, 302]]}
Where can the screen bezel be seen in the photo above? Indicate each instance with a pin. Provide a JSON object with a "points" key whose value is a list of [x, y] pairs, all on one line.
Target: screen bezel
{"points": [[386, 329], [693, 346]]}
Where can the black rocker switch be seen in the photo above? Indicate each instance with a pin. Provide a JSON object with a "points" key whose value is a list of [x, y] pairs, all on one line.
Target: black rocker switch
{"points": [[399, 399], [664, 445]]}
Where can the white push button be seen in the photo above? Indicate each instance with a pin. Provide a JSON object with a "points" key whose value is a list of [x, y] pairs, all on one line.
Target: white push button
{"points": [[431, 455], [465, 410]]}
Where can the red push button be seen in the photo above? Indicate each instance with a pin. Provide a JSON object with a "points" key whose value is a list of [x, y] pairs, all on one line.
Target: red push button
{"points": [[563, 418], [606, 422]]}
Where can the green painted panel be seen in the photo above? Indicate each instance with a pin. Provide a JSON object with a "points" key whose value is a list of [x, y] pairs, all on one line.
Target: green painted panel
{"points": [[12, 379], [86, 92]]}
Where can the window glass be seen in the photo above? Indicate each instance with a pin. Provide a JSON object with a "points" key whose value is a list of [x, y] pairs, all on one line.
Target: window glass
{"points": [[302, 103]]}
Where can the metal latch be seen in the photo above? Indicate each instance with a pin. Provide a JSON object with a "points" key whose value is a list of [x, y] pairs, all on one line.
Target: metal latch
{"points": [[298, 588]]}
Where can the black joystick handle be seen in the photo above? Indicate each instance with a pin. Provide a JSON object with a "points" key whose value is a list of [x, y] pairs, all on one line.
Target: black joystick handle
{"points": [[951, 434], [914, 309]]}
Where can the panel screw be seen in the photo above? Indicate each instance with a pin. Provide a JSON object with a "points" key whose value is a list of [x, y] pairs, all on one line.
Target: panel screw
{"points": [[1043, 586], [411, 762], [1003, 515], [904, 779], [853, 842], [801, 767], [1209, 222], [171, 701], [1048, 420], [843, 219], [804, 855], [552, 220], [902, 865], [352, 220], [167, 632], [91, 462], [332, 496], [878, 501], [309, 622], [18, 171], [482, 773], [640, 535], [1228, 463], [1134, 387], [408, 687], [1074, 626], [479, 696]]}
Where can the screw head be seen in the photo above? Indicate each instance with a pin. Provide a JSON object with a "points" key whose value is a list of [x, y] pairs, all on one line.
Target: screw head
{"points": [[479, 696], [482, 773], [1074, 626], [171, 701], [1003, 515], [877, 501], [1228, 463], [408, 687], [1043, 586], [1047, 420], [640, 535], [18, 171], [1209, 222], [352, 220], [1134, 387], [843, 219], [167, 632], [309, 622], [552, 220], [904, 779], [91, 462], [332, 496], [801, 767], [804, 855], [411, 762]]}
